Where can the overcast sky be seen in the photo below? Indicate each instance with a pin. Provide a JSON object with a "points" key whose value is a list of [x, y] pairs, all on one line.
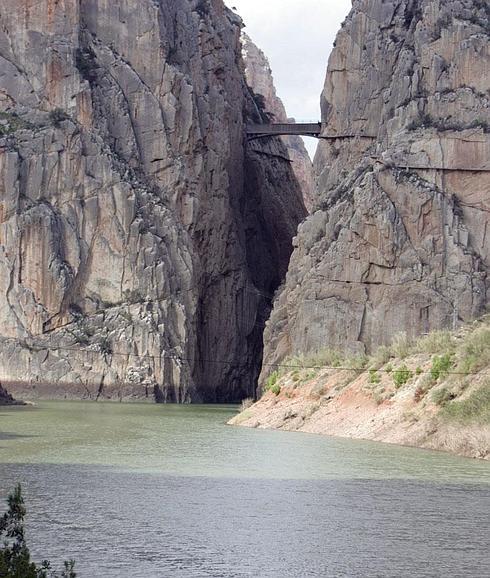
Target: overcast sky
{"points": [[297, 37]]}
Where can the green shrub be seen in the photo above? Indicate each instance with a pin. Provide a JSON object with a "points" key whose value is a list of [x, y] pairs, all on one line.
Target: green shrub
{"points": [[441, 366], [418, 371], [10, 122], [475, 408], [374, 376], [442, 395], [401, 376], [276, 389], [311, 374], [389, 368], [15, 558], [271, 381]]}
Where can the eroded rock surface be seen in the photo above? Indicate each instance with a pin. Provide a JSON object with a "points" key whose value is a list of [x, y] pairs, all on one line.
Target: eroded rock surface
{"points": [[139, 236], [399, 240]]}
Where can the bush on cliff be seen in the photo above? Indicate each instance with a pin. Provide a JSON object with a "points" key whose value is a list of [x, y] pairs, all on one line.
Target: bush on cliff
{"points": [[15, 558], [440, 366], [401, 376], [475, 408]]}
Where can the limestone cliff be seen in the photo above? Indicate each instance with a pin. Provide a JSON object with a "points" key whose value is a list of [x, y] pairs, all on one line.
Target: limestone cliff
{"points": [[399, 241], [139, 235]]}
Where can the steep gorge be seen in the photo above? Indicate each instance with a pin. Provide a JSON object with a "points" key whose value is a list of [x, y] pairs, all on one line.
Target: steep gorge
{"points": [[141, 238]]}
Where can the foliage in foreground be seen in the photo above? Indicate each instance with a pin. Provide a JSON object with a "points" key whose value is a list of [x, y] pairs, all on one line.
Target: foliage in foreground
{"points": [[15, 558]]}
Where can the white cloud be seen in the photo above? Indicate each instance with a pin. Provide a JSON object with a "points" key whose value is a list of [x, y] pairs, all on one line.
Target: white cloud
{"points": [[297, 37]]}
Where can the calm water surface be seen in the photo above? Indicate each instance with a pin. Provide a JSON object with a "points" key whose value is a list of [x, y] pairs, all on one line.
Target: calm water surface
{"points": [[143, 491]]}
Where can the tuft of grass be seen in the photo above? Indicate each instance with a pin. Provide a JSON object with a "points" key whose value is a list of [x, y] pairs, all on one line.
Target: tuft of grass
{"points": [[243, 416], [389, 368], [402, 345], [435, 342], [246, 403], [475, 408], [401, 376], [324, 358], [357, 361], [381, 356], [374, 376], [441, 366]]}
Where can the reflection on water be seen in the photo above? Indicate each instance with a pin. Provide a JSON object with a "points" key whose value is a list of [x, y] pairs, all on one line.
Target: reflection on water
{"points": [[150, 491]]}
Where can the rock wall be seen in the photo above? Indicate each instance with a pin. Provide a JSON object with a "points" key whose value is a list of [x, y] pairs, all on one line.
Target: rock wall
{"points": [[140, 236], [399, 239]]}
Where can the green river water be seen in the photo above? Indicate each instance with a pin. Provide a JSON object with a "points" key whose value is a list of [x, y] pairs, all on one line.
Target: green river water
{"points": [[142, 490]]}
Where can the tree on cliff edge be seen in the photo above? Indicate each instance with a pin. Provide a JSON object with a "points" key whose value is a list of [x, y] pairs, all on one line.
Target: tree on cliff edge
{"points": [[15, 558]]}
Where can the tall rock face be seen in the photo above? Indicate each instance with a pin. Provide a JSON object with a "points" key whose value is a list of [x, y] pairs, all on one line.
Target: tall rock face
{"points": [[140, 236], [400, 238], [259, 77]]}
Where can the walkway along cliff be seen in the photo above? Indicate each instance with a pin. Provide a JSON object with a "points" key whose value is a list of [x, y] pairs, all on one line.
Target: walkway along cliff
{"points": [[141, 237]]}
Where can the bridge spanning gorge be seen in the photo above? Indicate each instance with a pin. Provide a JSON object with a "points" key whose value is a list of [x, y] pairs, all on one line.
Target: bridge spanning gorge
{"points": [[319, 130], [300, 129], [314, 129]]}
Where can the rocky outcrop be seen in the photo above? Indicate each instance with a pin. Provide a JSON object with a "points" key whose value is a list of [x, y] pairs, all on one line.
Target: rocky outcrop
{"points": [[399, 239], [140, 238], [259, 77], [7, 399]]}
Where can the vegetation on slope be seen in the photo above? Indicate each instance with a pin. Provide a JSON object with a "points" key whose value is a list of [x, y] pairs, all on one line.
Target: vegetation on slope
{"points": [[433, 391], [450, 366]]}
